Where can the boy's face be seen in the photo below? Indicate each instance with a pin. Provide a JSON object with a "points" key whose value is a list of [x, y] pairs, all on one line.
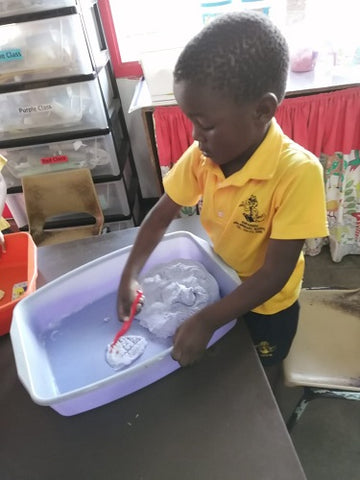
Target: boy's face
{"points": [[227, 132]]}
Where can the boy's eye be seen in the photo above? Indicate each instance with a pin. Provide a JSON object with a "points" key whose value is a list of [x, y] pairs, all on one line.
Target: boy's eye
{"points": [[205, 127]]}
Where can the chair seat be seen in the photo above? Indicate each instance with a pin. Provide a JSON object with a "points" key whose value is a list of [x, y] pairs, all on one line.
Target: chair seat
{"points": [[326, 349]]}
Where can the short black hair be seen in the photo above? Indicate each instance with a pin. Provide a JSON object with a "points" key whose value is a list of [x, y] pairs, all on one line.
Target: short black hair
{"points": [[241, 54]]}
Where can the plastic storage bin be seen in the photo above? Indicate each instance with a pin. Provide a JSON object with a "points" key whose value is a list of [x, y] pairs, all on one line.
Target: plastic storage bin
{"points": [[59, 335], [54, 109], [16, 205], [96, 153], [18, 7], [106, 85], [94, 30], [112, 196], [42, 49], [18, 272]]}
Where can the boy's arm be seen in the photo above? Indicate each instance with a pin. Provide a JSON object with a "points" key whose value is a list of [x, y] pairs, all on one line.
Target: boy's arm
{"points": [[151, 232], [192, 337]]}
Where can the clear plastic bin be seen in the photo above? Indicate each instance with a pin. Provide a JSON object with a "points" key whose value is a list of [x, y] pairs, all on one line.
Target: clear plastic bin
{"points": [[56, 109], [42, 49], [127, 173], [121, 225], [96, 153], [94, 30], [16, 204], [112, 196], [113, 201], [107, 89], [18, 7]]}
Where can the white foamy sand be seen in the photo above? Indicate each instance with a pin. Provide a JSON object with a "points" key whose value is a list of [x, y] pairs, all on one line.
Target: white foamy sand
{"points": [[125, 351], [173, 292]]}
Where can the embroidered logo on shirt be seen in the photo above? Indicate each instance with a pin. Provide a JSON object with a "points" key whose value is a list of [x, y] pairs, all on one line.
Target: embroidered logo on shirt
{"points": [[264, 349], [251, 215]]}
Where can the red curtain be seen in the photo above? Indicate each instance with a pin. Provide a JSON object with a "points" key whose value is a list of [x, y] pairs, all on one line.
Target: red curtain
{"points": [[173, 132], [322, 123]]}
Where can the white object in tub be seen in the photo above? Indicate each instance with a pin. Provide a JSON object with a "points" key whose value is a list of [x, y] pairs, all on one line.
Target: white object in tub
{"points": [[59, 339], [175, 291]]}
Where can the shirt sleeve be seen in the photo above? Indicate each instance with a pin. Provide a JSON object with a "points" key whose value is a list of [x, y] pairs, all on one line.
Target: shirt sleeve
{"points": [[181, 183], [301, 205]]}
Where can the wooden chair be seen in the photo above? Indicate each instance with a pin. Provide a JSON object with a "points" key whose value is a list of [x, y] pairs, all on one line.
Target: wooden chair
{"points": [[55, 195], [325, 356]]}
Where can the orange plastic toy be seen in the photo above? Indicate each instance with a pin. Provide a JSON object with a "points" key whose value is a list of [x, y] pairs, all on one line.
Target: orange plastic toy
{"points": [[18, 272]]}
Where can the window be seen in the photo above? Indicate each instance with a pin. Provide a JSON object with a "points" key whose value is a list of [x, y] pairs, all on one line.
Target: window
{"points": [[136, 26]]}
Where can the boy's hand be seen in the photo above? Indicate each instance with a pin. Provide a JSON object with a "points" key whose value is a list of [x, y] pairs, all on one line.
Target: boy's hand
{"points": [[126, 296], [190, 340]]}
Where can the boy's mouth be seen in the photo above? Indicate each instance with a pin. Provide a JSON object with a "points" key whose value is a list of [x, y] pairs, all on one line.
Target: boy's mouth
{"points": [[204, 152]]}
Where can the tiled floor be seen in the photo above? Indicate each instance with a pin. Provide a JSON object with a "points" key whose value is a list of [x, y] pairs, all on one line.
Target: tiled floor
{"points": [[327, 437]]}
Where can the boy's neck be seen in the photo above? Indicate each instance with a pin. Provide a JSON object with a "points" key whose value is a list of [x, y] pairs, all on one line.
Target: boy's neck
{"points": [[238, 163], [234, 166]]}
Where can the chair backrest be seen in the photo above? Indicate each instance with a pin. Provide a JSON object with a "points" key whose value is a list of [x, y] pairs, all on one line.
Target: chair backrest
{"points": [[56, 194]]}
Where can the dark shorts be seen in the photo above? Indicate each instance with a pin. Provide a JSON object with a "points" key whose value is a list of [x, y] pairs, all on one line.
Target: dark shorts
{"points": [[272, 335]]}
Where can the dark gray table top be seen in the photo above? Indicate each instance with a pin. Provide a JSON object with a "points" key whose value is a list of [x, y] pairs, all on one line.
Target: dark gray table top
{"points": [[216, 420]]}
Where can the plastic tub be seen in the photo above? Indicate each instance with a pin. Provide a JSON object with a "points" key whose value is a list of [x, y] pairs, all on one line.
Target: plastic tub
{"points": [[18, 272], [59, 334]]}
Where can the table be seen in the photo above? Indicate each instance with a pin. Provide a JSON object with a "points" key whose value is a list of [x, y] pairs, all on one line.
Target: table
{"points": [[216, 420]]}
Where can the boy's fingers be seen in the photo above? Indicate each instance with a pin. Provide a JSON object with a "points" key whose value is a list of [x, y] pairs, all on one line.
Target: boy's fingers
{"points": [[176, 354], [140, 304]]}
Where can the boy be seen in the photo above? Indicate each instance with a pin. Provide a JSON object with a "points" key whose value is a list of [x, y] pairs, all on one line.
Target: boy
{"points": [[262, 193]]}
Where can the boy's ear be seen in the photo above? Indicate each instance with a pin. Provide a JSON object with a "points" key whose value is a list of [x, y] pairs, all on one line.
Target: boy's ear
{"points": [[266, 107]]}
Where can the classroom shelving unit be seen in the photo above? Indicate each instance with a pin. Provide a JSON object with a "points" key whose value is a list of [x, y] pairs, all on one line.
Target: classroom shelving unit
{"points": [[60, 106]]}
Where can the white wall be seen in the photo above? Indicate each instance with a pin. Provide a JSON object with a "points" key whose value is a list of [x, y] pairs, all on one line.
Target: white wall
{"points": [[149, 183]]}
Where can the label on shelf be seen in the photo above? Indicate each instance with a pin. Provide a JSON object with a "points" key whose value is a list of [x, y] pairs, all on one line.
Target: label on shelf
{"points": [[54, 159], [35, 108], [10, 55]]}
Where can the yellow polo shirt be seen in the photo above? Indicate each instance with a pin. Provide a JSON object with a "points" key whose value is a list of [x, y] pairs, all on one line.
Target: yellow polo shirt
{"points": [[279, 194]]}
